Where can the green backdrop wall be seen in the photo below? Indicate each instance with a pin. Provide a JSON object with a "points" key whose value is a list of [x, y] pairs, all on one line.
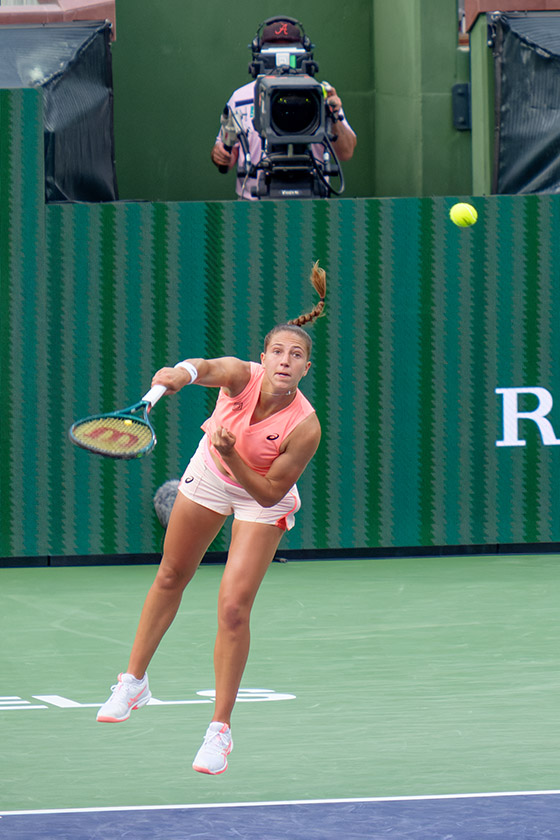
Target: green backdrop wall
{"points": [[175, 64], [394, 63], [425, 321]]}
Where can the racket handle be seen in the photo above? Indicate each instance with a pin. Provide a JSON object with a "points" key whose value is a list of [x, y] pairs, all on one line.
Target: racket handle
{"points": [[154, 394]]}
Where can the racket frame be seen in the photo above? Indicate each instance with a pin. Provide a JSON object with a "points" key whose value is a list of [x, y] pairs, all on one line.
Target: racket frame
{"points": [[145, 404]]}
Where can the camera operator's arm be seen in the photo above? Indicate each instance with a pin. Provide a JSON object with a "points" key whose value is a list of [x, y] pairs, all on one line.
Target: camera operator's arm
{"points": [[345, 139], [221, 157]]}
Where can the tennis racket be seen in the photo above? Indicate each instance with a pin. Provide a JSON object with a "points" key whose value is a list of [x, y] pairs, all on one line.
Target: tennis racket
{"points": [[120, 434]]}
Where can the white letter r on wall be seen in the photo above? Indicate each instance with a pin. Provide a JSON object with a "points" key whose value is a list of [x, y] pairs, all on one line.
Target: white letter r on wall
{"points": [[512, 416]]}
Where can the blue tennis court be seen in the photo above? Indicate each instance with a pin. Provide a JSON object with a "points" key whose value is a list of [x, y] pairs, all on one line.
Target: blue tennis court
{"points": [[533, 816]]}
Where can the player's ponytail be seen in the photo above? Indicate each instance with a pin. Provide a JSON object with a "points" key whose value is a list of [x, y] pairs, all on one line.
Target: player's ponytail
{"points": [[319, 280]]}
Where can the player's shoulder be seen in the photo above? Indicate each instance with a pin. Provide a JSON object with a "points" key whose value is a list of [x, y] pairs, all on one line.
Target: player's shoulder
{"points": [[236, 366], [307, 430], [303, 441], [236, 374]]}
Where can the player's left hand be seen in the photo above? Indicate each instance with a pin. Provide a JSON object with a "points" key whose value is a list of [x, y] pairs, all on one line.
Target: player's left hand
{"points": [[223, 440]]}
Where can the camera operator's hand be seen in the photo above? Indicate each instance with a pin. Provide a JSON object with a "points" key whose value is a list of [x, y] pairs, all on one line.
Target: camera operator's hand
{"points": [[334, 102], [221, 157], [344, 137]]}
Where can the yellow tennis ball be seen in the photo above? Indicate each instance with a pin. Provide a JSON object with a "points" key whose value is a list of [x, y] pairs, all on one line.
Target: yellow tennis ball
{"points": [[128, 422], [463, 215]]}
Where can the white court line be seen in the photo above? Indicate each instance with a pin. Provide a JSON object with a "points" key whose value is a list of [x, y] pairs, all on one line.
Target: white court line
{"points": [[420, 798]]}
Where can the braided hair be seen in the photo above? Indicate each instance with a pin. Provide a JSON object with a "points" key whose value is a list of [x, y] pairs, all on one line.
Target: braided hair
{"points": [[318, 278]]}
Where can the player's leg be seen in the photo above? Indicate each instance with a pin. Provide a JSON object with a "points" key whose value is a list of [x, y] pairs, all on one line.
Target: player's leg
{"points": [[251, 552], [190, 531]]}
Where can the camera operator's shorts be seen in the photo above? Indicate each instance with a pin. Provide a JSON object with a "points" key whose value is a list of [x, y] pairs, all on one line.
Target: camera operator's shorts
{"points": [[204, 484]]}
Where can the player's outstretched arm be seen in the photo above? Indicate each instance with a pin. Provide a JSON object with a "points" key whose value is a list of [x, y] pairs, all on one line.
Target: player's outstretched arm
{"points": [[226, 372]]}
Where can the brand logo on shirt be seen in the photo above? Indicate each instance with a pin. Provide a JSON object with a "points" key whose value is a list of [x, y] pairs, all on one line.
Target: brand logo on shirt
{"points": [[272, 437], [237, 406]]}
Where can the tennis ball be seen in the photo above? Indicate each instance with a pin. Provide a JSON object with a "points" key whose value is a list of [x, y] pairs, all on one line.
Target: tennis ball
{"points": [[463, 215], [128, 422]]}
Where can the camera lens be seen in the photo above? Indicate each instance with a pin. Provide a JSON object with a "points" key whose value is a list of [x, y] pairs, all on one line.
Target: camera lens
{"points": [[294, 113]]}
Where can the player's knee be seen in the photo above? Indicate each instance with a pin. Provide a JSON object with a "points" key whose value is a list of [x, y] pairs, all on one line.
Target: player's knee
{"points": [[171, 577], [233, 613]]}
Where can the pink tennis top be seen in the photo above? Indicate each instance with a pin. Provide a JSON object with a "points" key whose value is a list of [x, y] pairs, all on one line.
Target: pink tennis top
{"points": [[258, 443]]}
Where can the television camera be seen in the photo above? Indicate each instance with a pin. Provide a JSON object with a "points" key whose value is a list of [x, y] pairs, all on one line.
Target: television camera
{"points": [[293, 119]]}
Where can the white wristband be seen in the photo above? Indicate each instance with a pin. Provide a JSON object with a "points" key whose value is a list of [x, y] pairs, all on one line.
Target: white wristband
{"points": [[190, 369]]}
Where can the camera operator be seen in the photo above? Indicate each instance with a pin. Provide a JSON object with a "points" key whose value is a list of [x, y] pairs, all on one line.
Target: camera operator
{"points": [[241, 103]]}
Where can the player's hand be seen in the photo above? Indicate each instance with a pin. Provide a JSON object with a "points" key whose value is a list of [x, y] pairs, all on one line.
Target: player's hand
{"points": [[223, 440], [173, 378]]}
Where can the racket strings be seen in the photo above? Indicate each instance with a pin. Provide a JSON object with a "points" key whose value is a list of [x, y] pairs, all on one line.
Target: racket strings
{"points": [[113, 435]]}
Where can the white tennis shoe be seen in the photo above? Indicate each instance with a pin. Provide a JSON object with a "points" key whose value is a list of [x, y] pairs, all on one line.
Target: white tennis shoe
{"points": [[212, 756], [128, 694]]}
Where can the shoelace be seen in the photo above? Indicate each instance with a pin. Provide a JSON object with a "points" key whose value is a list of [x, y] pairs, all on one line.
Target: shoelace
{"points": [[116, 689], [217, 740]]}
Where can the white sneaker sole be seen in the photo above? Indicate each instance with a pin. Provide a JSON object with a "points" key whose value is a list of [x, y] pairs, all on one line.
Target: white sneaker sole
{"points": [[200, 769], [107, 719]]}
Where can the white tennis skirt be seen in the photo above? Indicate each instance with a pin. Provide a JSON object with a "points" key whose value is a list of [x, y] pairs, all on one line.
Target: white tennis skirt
{"points": [[203, 484]]}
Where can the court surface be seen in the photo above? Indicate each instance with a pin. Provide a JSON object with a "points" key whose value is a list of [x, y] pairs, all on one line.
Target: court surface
{"points": [[398, 698]]}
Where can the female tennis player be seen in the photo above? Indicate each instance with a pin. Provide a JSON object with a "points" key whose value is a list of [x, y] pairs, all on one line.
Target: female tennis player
{"points": [[256, 444]]}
